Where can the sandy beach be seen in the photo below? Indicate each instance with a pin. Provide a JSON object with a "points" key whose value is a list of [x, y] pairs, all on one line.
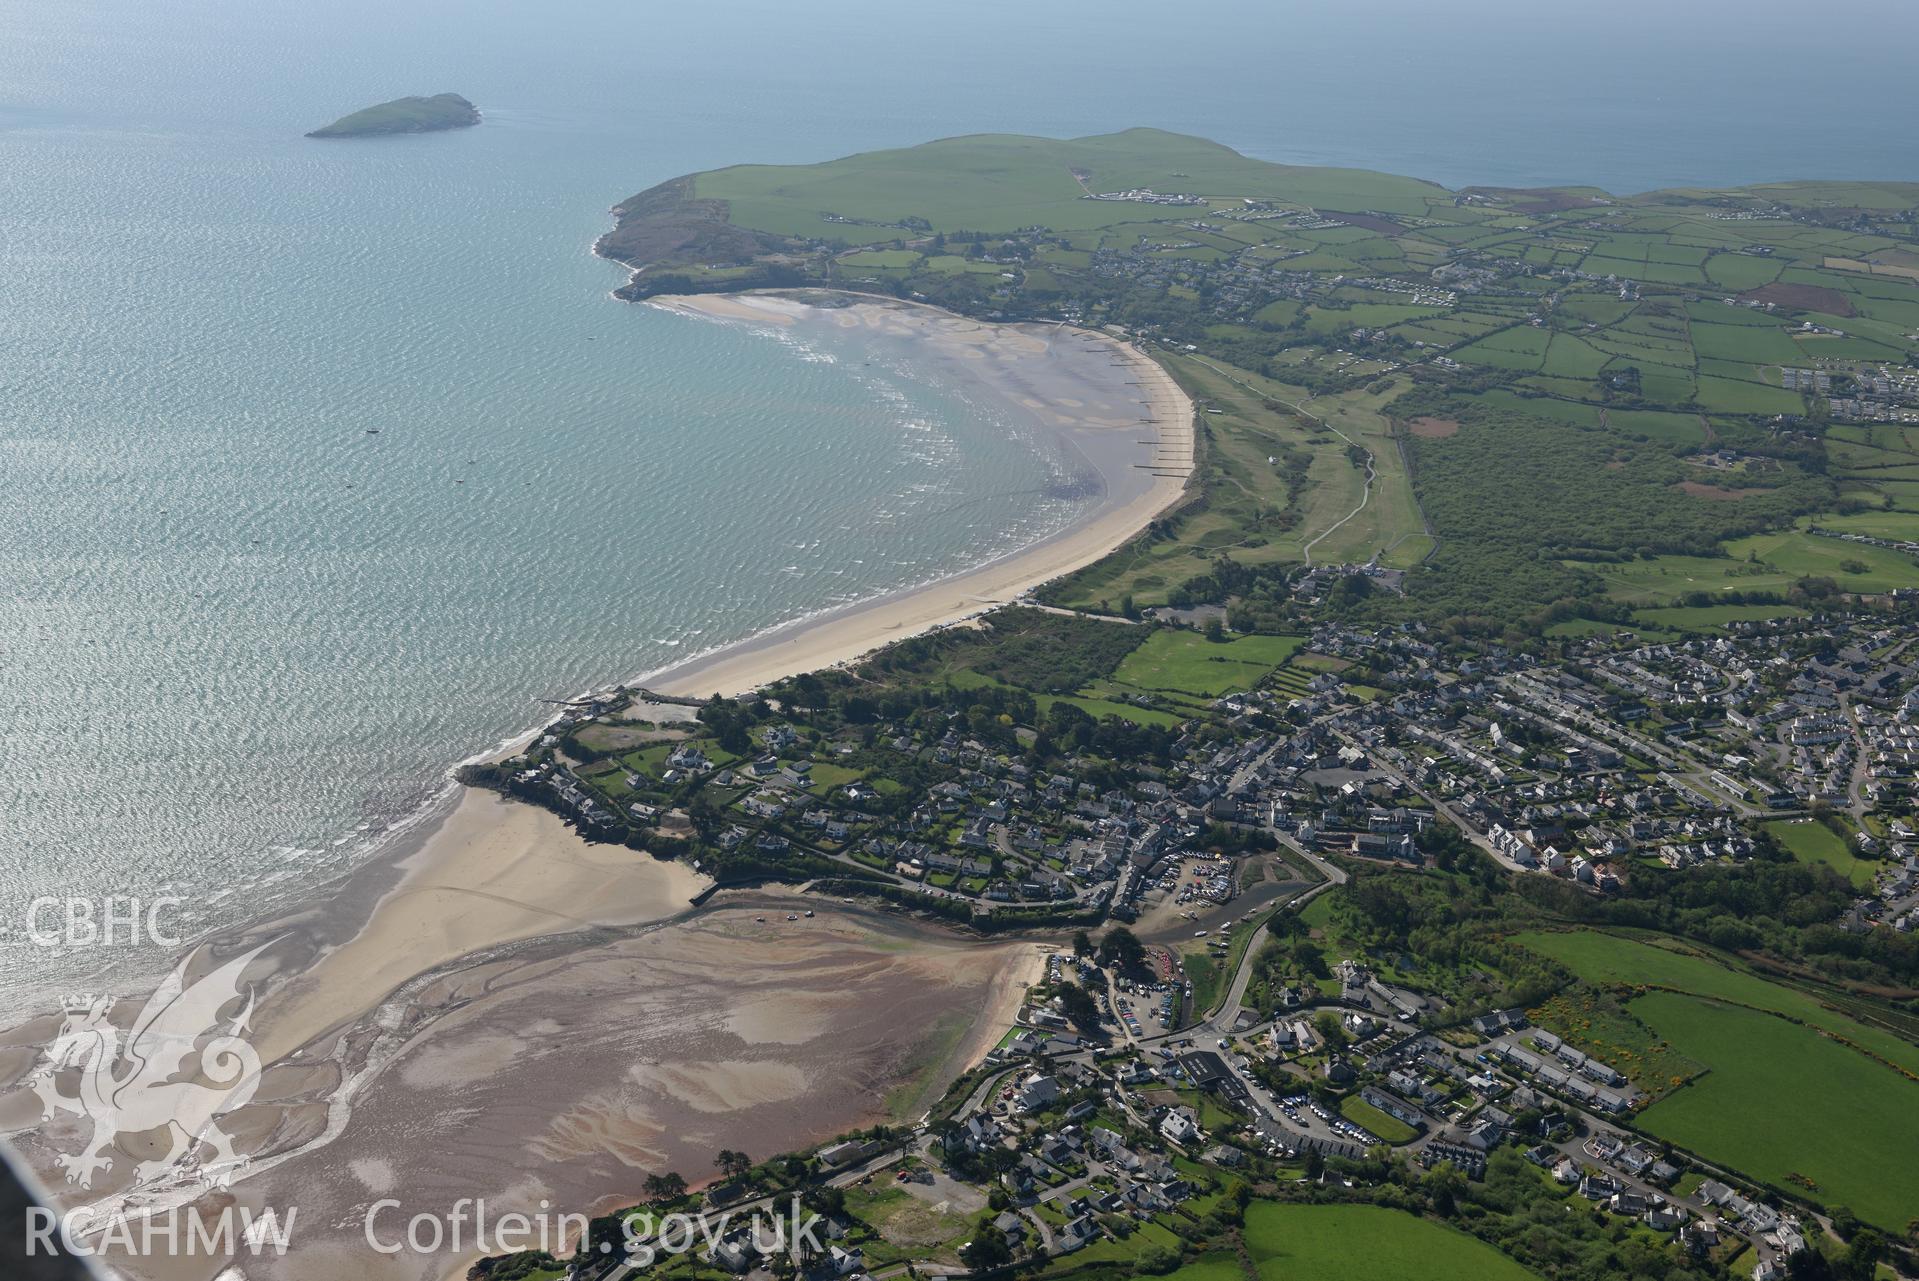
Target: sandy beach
{"points": [[1140, 402], [564, 1075], [499, 1007], [493, 872]]}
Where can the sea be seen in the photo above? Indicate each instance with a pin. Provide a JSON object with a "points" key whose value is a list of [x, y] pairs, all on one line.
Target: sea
{"points": [[323, 465]]}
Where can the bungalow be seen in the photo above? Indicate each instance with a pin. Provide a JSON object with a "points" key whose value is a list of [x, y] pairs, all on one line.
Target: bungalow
{"points": [[847, 1151]]}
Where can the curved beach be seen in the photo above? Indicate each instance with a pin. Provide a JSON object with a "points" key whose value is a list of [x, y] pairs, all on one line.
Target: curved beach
{"points": [[1119, 411]]}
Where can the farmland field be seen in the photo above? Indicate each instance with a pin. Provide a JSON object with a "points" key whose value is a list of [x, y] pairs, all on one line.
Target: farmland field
{"points": [[1365, 1243], [1761, 562], [1803, 554], [1899, 525], [1209, 1268], [1779, 1100], [1609, 959]]}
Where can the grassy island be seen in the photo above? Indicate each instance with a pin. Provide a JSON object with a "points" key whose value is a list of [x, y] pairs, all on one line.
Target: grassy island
{"points": [[404, 115]]}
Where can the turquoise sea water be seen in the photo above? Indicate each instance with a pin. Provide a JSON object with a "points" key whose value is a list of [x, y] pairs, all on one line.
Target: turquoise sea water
{"points": [[322, 463]]}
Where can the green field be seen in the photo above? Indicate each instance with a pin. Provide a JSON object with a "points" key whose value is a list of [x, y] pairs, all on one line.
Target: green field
{"points": [[1188, 662], [1805, 555], [1365, 1243], [1781, 1100], [1003, 181], [1811, 841], [1712, 618], [1574, 628], [1100, 708], [1610, 959], [1791, 1086], [1761, 562], [1876, 524], [1210, 1267]]}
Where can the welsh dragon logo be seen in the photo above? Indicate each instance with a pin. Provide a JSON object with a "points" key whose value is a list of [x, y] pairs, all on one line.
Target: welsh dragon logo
{"points": [[180, 1068]]}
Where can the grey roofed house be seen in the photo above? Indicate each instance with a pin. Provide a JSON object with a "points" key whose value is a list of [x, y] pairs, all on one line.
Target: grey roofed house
{"points": [[1713, 1192], [1076, 1233]]}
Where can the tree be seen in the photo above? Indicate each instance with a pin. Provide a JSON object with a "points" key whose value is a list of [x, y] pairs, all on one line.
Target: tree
{"points": [[1077, 1004], [1861, 1260], [987, 1250], [1119, 947], [734, 1165], [1157, 1260], [1310, 958], [663, 1187], [1082, 943], [1444, 1184]]}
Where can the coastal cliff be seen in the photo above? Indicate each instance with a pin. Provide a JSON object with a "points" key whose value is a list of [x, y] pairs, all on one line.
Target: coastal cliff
{"points": [[404, 115], [667, 226]]}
